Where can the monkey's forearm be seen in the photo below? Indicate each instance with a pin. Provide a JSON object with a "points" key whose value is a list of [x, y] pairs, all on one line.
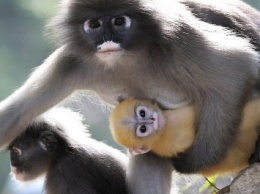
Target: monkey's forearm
{"points": [[46, 87], [217, 127]]}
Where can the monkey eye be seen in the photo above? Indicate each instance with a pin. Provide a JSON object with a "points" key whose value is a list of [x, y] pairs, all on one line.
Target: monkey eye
{"points": [[142, 113], [143, 129], [121, 21], [92, 24], [17, 151]]}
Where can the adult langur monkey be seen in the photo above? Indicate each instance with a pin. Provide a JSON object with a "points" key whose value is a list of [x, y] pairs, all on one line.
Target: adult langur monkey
{"points": [[160, 50]]}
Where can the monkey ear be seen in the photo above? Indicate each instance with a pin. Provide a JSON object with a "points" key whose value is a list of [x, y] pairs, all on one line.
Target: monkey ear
{"points": [[48, 141]]}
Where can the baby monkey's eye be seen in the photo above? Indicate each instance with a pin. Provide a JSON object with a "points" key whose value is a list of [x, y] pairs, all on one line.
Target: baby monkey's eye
{"points": [[142, 113], [143, 129]]}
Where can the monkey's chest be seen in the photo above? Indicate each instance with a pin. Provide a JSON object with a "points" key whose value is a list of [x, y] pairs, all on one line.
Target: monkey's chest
{"points": [[120, 88]]}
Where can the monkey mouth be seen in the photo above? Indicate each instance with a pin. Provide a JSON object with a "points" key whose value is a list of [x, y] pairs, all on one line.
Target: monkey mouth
{"points": [[109, 55], [109, 51], [18, 173]]}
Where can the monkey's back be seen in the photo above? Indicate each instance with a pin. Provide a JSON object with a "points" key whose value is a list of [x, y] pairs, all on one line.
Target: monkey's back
{"points": [[85, 170]]}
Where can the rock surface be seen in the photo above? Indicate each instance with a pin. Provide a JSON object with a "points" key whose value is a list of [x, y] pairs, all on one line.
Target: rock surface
{"points": [[247, 182]]}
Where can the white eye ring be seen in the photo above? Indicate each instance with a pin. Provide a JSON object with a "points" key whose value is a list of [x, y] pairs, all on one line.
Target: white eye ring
{"points": [[92, 24], [138, 112], [148, 130], [127, 23]]}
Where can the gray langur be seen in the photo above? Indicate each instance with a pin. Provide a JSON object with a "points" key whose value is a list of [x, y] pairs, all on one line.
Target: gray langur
{"points": [[56, 144], [171, 52]]}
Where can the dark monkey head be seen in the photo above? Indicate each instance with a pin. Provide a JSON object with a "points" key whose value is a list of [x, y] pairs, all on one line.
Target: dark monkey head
{"points": [[105, 27], [32, 152]]}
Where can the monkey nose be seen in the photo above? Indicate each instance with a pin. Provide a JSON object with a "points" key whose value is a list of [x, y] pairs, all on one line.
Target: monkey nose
{"points": [[155, 121], [107, 37]]}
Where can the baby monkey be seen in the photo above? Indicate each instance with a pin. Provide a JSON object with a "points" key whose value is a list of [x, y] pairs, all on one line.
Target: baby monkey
{"points": [[56, 144], [142, 126]]}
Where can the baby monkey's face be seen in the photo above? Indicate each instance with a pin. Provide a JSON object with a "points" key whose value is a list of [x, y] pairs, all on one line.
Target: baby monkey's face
{"points": [[135, 124], [147, 120], [31, 154]]}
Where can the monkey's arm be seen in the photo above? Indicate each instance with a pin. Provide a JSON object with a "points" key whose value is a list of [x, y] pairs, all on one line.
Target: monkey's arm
{"points": [[216, 128], [148, 174], [239, 153], [51, 82], [220, 89]]}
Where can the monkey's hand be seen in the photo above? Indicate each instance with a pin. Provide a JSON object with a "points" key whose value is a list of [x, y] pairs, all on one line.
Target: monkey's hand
{"points": [[256, 155]]}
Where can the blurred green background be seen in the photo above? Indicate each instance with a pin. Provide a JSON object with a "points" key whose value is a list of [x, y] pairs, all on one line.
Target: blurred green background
{"points": [[23, 46]]}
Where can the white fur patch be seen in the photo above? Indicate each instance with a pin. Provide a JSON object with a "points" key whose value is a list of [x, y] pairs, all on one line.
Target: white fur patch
{"points": [[128, 22], [20, 176], [108, 46], [109, 51]]}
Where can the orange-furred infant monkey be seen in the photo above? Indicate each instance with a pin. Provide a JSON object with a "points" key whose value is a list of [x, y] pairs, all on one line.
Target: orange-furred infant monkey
{"points": [[142, 126]]}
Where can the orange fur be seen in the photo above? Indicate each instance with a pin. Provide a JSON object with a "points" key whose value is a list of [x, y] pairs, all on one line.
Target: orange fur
{"points": [[178, 134]]}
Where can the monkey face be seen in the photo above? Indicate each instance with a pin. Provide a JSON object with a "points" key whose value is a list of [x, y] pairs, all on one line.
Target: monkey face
{"points": [[147, 120], [136, 125], [108, 34], [31, 154], [106, 28]]}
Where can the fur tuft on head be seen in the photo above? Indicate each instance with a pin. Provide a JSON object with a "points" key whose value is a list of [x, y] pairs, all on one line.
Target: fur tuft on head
{"points": [[66, 123]]}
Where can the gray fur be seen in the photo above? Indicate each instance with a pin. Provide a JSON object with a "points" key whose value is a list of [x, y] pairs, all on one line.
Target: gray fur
{"points": [[171, 56], [157, 180]]}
